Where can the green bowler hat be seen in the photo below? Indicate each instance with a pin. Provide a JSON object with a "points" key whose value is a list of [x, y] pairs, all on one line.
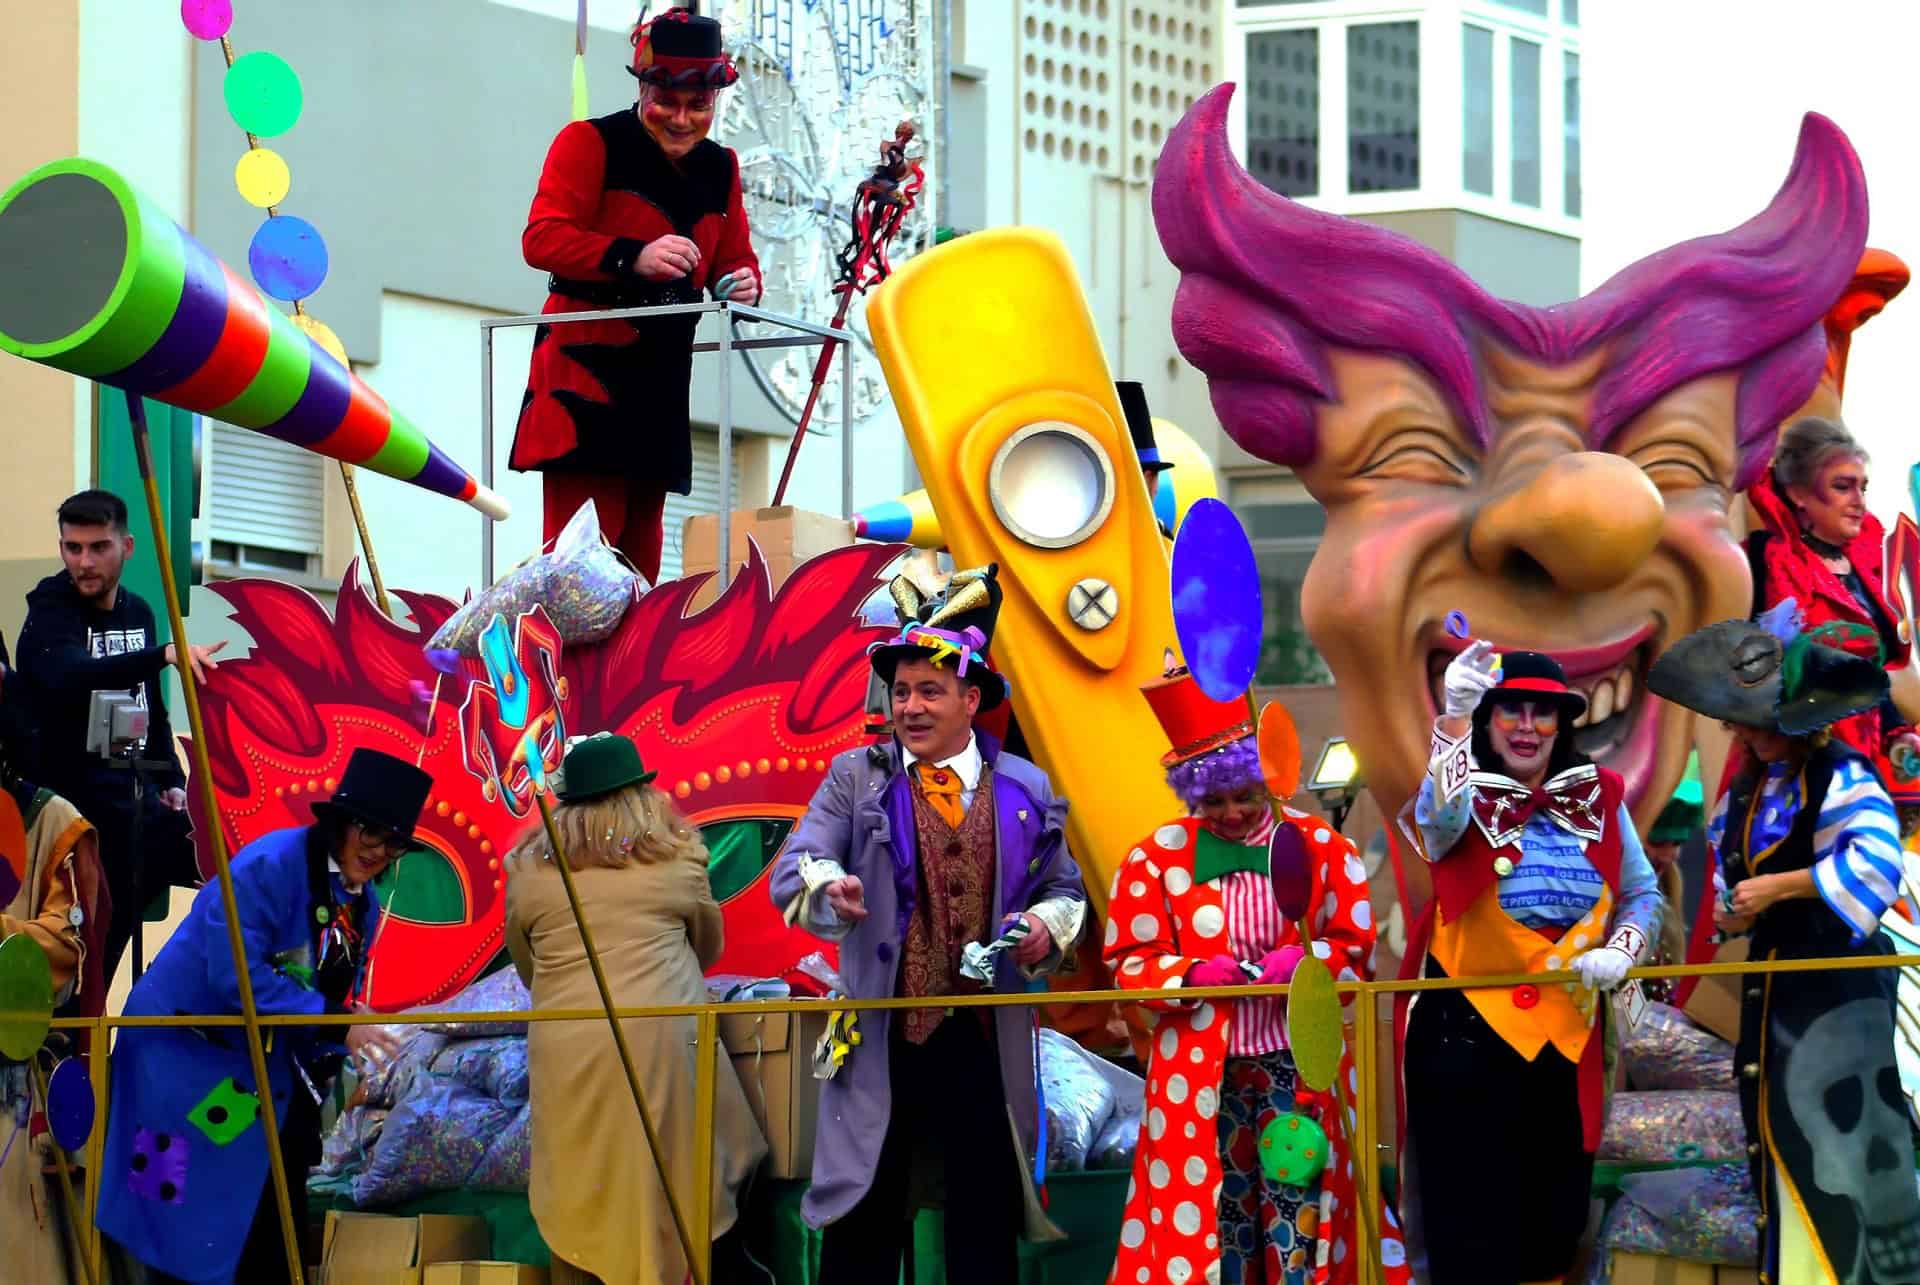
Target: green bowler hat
{"points": [[600, 765]]}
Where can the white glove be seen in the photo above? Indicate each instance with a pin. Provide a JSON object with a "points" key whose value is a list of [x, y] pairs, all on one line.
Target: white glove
{"points": [[1469, 676], [1606, 967]]}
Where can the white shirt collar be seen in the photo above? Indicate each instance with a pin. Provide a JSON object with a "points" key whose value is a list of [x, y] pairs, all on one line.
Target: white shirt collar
{"points": [[966, 764], [333, 865]]}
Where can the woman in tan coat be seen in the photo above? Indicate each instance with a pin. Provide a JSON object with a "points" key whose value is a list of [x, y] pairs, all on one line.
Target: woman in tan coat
{"points": [[641, 873]]}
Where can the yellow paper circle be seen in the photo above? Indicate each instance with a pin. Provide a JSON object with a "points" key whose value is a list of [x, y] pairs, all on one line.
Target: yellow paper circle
{"points": [[262, 177], [321, 333], [1314, 1028]]}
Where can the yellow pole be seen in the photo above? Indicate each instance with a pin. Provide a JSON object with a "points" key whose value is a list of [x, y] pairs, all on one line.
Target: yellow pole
{"points": [[99, 1068], [620, 1039], [366, 539], [216, 841], [705, 1086], [1366, 1168]]}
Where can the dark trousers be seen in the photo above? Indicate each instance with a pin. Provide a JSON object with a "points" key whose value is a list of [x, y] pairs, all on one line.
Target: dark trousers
{"points": [[946, 1094], [1504, 1180]]}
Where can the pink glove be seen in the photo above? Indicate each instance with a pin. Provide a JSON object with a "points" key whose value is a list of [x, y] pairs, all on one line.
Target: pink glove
{"points": [[1276, 966], [1221, 970]]}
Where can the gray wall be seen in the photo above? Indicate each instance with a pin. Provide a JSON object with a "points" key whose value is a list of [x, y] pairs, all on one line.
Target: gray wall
{"points": [[1513, 262]]}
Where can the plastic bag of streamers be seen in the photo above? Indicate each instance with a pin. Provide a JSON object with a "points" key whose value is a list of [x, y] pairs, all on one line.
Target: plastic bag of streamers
{"points": [[389, 1081], [1665, 1125], [582, 583], [1114, 1146], [498, 992], [509, 1157], [1706, 1215], [496, 1066], [1667, 1051], [432, 1141], [1079, 1101]]}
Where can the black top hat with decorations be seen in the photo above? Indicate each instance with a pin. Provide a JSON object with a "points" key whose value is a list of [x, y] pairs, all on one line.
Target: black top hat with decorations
{"points": [[1767, 673], [1531, 676], [953, 627], [1133, 400], [379, 790], [681, 49]]}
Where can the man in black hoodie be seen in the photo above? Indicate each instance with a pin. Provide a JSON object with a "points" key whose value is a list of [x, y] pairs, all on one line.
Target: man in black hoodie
{"points": [[84, 633]]}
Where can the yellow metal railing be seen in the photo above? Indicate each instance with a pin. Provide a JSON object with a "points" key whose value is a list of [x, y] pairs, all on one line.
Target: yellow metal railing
{"points": [[1363, 1034]]}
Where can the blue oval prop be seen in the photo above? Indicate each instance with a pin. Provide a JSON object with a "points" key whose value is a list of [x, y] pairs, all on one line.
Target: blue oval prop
{"points": [[288, 257], [70, 1104], [1290, 870], [1216, 600]]}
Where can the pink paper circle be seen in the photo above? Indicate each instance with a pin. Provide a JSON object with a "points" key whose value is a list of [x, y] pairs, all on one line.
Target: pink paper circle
{"points": [[207, 19]]}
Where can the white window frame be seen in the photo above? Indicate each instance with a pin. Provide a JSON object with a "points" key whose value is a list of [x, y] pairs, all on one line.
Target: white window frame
{"points": [[1442, 101]]}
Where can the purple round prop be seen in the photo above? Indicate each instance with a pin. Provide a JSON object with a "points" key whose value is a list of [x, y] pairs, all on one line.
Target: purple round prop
{"points": [[1289, 869], [1216, 600], [288, 258], [70, 1104], [1457, 623], [207, 19]]}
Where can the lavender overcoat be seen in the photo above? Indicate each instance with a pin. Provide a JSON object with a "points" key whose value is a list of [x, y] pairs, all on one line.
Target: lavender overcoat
{"points": [[862, 818]]}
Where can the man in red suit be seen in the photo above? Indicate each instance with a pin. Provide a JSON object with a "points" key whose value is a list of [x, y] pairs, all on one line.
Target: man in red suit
{"points": [[635, 209]]}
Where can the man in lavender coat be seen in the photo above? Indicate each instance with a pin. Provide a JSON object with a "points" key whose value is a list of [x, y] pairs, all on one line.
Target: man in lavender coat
{"points": [[909, 852]]}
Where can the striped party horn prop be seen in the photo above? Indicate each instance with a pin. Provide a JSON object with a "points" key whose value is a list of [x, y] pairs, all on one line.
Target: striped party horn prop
{"points": [[96, 280]]}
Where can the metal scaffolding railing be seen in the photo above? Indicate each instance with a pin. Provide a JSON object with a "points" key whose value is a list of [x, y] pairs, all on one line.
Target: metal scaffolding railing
{"points": [[802, 334], [1362, 1034]]}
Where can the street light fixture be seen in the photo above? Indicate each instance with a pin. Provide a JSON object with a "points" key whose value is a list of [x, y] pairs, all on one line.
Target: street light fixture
{"points": [[1336, 779]]}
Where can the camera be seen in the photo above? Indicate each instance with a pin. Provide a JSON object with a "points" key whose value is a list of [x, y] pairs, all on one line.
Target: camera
{"points": [[116, 725]]}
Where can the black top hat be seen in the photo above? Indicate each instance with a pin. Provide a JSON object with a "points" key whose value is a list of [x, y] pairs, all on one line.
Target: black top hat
{"points": [[954, 627], [680, 49], [381, 790], [1133, 400], [1531, 675], [1741, 672]]}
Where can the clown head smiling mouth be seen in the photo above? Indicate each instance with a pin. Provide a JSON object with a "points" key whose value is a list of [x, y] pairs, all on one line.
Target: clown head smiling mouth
{"points": [[1562, 476]]}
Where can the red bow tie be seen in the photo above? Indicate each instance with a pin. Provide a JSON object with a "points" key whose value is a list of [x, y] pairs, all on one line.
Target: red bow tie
{"points": [[1502, 806]]}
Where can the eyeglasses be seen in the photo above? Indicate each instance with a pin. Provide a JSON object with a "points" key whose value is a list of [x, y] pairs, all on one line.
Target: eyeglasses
{"points": [[1508, 717], [379, 837]]}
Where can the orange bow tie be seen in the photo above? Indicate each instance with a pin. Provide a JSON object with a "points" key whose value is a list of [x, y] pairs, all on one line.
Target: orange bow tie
{"points": [[942, 789]]}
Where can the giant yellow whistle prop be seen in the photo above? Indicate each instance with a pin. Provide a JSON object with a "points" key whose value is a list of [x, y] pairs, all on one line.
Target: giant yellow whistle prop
{"points": [[1009, 408]]}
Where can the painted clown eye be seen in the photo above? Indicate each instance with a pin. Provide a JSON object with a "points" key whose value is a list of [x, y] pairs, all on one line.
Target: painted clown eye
{"points": [[1052, 484], [1755, 659]]}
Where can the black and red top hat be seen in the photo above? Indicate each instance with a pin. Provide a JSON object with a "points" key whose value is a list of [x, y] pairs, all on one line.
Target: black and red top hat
{"points": [[1530, 675], [681, 49]]}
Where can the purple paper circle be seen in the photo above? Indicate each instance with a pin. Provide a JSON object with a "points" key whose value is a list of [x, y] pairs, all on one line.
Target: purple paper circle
{"points": [[1217, 613], [1290, 871], [70, 1104], [288, 258], [207, 19], [1457, 623]]}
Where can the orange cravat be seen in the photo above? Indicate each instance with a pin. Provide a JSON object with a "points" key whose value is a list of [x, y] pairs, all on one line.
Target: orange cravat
{"points": [[942, 788]]}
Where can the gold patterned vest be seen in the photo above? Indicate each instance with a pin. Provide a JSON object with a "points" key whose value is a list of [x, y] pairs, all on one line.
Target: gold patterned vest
{"points": [[955, 903]]}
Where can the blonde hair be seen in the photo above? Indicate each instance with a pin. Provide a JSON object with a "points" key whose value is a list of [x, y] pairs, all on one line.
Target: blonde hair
{"points": [[634, 825]]}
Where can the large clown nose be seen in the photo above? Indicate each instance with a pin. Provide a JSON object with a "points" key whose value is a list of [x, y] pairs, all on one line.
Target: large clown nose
{"points": [[97, 281]]}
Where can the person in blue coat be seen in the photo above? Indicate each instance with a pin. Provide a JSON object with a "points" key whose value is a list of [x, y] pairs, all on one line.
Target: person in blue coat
{"points": [[185, 1186]]}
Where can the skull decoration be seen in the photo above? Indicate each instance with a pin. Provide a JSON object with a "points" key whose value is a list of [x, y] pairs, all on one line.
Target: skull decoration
{"points": [[1854, 1118]]}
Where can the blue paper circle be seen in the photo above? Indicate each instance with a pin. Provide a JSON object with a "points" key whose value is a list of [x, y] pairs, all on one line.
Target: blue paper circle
{"points": [[288, 258], [70, 1104], [1457, 624], [1216, 600]]}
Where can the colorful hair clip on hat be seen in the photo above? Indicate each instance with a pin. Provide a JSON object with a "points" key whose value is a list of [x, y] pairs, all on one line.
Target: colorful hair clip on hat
{"points": [[952, 628], [681, 49]]}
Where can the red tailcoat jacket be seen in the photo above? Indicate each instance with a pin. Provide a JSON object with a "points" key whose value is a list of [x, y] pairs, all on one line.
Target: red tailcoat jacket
{"points": [[611, 396]]}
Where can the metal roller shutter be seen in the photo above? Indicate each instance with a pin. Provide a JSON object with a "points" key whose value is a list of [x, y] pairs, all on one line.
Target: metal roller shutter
{"points": [[266, 492], [704, 499]]}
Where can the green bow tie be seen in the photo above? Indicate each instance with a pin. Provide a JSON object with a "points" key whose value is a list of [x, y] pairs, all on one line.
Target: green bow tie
{"points": [[1214, 856]]}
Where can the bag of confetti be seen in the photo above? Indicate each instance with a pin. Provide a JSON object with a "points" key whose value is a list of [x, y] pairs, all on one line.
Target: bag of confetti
{"points": [[344, 1151], [1705, 1215], [1115, 1145], [496, 1066], [434, 1140], [509, 1157], [498, 992], [386, 1082], [1667, 1125], [1666, 1050], [1079, 1101], [582, 583]]}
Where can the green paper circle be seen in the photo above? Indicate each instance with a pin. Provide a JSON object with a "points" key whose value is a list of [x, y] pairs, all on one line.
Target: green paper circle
{"points": [[263, 94], [1314, 1028], [26, 997], [1293, 1149]]}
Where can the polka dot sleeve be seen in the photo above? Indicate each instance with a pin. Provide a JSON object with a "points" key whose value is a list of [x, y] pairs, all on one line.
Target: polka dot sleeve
{"points": [[1140, 945]]}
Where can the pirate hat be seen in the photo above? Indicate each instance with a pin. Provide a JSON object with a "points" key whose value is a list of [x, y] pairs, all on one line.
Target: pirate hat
{"points": [[956, 625], [681, 49], [379, 790], [1767, 673], [1133, 400]]}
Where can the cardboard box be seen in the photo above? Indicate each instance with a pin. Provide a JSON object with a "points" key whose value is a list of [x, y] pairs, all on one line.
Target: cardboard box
{"points": [[477, 1272], [1650, 1269], [773, 1054], [1715, 1002], [786, 537], [375, 1249]]}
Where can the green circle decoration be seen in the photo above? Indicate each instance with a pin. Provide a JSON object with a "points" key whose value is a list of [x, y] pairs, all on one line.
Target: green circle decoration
{"points": [[1314, 1028], [26, 997], [263, 94]]}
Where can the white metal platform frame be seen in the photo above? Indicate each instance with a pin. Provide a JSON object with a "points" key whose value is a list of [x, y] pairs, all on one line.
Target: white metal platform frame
{"points": [[800, 334]]}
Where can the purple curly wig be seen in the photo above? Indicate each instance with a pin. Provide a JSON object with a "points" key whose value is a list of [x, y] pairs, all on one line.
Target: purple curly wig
{"points": [[1230, 768]]}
